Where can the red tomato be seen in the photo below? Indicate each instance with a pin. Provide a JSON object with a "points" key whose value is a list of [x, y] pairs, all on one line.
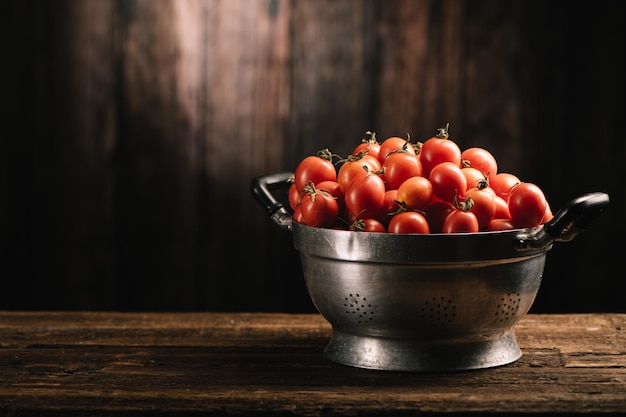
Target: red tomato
{"points": [[408, 222], [400, 166], [393, 144], [483, 205], [353, 167], [319, 208], [369, 146], [389, 207], [294, 197], [500, 224], [502, 184], [368, 225], [460, 221], [315, 169], [347, 217], [415, 193], [448, 181], [481, 159], [439, 149], [527, 205], [297, 215], [436, 213], [370, 149], [502, 208], [548, 214], [474, 177], [333, 188], [365, 195]]}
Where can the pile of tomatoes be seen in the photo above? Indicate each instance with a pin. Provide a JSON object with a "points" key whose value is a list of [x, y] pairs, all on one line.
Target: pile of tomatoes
{"points": [[396, 186]]}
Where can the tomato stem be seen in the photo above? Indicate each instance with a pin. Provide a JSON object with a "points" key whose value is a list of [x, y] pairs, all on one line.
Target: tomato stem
{"points": [[309, 188], [370, 137], [327, 154], [357, 226], [465, 205], [483, 183], [404, 148], [401, 208], [351, 158], [443, 132]]}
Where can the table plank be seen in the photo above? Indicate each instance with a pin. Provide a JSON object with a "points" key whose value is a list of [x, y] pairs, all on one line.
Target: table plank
{"points": [[68, 363]]}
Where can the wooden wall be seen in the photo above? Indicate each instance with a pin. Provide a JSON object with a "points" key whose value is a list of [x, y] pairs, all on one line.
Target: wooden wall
{"points": [[131, 130]]}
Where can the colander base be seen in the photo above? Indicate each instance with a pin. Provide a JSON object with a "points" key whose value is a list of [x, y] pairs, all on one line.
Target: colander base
{"points": [[403, 354]]}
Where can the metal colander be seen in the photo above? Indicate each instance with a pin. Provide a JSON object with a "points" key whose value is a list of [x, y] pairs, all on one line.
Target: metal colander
{"points": [[437, 302]]}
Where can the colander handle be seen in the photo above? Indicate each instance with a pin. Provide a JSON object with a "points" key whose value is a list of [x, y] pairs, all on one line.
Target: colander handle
{"points": [[574, 217], [263, 188], [571, 220]]}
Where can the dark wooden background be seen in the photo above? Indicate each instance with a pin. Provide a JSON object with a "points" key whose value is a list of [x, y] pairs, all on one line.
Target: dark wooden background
{"points": [[131, 130]]}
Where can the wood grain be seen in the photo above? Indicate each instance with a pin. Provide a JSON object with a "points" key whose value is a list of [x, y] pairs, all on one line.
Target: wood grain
{"points": [[57, 363], [131, 131]]}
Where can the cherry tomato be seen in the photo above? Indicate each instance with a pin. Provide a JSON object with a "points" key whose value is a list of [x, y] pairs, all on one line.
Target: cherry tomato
{"points": [[390, 206], [460, 221], [408, 222], [439, 149], [368, 225], [315, 168], [347, 217], [415, 193], [436, 213], [527, 205], [392, 144], [502, 183], [353, 167], [319, 208], [369, 145], [500, 224], [400, 166], [502, 208], [297, 215], [448, 181], [293, 197], [333, 188], [548, 214], [474, 177], [365, 195], [481, 159], [483, 205]]}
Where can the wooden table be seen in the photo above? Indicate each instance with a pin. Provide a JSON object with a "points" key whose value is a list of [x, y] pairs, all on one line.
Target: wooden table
{"points": [[102, 363]]}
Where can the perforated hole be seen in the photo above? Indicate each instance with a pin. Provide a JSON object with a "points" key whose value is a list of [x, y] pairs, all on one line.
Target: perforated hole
{"points": [[508, 307], [439, 311], [359, 308]]}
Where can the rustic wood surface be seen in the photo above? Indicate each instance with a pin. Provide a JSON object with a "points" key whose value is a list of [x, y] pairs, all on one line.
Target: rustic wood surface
{"points": [[131, 131], [97, 364]]}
